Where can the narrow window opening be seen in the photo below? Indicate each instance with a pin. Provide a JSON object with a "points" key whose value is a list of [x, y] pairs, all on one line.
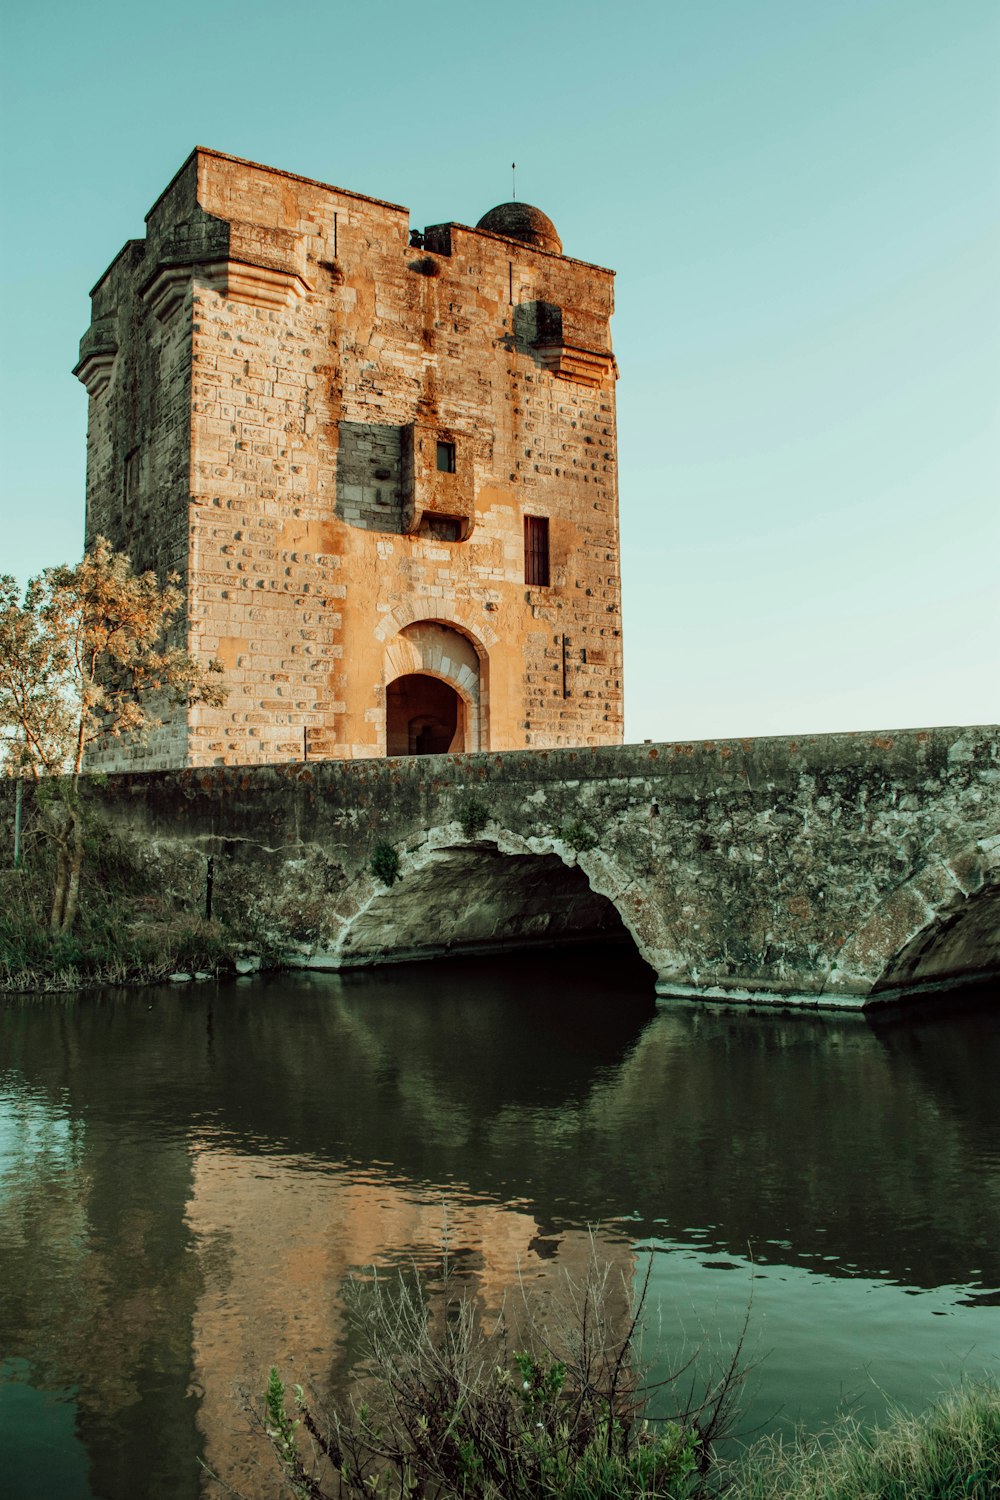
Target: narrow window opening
{"points": [[536, 550], [131, 488], [446, 458]]}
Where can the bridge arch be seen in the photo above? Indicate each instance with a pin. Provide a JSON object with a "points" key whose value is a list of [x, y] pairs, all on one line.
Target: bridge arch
{"points": [[939, 928], [488, 893]]}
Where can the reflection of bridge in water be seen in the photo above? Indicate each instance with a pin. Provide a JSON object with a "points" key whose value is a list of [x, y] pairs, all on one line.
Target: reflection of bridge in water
{"points": [[231, 1156], [833, 871]]}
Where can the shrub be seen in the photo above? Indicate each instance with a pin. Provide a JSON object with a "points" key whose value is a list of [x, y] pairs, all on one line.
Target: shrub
{"points": [[579, 837], [449, 1408], [385, 863], [474, 816]]}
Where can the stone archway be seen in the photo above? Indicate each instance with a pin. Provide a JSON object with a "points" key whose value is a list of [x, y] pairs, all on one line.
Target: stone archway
{"points": [[960, 946], [487, 892], [435, 691], [423, 716]]}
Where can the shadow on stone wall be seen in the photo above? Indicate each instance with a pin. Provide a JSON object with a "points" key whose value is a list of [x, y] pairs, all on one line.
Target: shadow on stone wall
{"points": [[370, 476]]}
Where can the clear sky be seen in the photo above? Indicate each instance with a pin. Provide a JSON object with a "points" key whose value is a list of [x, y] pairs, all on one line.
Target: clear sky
{"points": [[801, 199]]}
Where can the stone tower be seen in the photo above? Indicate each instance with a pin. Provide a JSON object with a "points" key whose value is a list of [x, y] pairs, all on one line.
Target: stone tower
{"points": [[383, 464]]}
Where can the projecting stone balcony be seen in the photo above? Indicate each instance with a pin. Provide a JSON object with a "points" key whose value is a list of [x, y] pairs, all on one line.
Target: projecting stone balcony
{"points": [[438, 483], [590, 367], [98, 352]]}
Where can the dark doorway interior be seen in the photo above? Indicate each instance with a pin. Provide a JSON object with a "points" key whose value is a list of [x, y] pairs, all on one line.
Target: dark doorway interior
{"points": [[424, 716]]}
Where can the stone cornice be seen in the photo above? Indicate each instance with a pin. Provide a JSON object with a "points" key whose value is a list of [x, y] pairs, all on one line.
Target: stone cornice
{"points": [[98, 352], [167, 290], [261, 286], [590, 367]]}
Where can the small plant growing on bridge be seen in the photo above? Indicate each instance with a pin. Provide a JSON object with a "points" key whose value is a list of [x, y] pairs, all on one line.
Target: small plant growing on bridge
{"points": [[474, 817], [579, 836], [385, 863]]}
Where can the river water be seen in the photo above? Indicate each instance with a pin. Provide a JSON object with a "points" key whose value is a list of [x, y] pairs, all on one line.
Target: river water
{"points": [[190, 1176]]}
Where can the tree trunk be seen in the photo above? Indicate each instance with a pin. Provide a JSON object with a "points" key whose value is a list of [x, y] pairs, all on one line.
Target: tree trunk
{"points": [[61, 883], [73, 884], [67, 835]]}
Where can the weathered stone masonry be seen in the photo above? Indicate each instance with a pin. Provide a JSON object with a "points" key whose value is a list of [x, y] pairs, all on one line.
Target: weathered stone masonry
{"points": [[830, 871], [335, 437]]}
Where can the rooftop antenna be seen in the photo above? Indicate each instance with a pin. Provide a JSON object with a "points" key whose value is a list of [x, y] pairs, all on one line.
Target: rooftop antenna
{"points": [[513, 181]]}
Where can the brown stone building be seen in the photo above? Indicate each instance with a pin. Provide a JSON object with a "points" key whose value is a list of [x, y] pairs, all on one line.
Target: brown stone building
{"points": [[383, 464]]}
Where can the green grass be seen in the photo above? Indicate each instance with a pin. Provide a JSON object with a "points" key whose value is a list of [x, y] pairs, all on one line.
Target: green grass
{"points": [[950, 1452]]}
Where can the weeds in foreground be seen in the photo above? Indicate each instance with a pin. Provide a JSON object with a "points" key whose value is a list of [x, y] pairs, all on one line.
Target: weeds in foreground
{"points": [[537, 1406], [950, 1452]]}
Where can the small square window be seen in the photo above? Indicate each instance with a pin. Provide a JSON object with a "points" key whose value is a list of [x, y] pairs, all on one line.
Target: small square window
{"points": [[446, 458]]}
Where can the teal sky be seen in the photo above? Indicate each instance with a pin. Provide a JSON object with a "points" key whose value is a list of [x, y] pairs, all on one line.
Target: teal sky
{"points": [[801, 199]]}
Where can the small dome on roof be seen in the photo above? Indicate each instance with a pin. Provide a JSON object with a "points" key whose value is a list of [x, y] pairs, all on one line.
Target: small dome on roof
{"points": [[519, 221]]}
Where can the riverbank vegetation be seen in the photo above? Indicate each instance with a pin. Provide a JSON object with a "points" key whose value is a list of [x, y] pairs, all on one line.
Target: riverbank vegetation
{"points": [[86, 662], [127, 929], [553, 1405], [950, 1452]]}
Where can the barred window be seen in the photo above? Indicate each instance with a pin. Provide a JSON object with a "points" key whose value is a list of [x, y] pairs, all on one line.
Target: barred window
{"points": [[536, 550]]}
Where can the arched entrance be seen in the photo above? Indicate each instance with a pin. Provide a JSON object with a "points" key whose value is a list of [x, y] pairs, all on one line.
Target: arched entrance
{"points": [[435, 691], [423, 716]]}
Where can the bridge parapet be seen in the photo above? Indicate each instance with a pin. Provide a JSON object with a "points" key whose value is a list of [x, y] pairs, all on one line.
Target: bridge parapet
{"points": [[828, 870]]}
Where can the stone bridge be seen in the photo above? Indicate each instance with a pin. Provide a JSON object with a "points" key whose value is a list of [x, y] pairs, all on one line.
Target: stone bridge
{"points": [[829, 871]]}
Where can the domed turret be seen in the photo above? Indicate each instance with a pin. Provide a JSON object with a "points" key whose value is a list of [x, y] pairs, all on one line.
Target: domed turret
{"points": [[519, 221]]}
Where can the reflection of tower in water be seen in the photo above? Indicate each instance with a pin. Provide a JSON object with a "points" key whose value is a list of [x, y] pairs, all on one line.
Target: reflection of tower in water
{"points": [[278, 1245]]}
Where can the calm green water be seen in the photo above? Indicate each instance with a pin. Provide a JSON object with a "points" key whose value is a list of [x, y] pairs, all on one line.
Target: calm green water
{"points": [[188, 1177]]}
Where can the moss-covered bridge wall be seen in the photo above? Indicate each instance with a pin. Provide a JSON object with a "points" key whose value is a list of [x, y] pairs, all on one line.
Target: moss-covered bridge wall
{"points": [[828, 870]]}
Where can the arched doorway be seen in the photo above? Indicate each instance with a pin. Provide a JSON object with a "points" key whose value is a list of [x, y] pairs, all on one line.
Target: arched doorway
{"points": [[435, 691], [423, 716]]}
